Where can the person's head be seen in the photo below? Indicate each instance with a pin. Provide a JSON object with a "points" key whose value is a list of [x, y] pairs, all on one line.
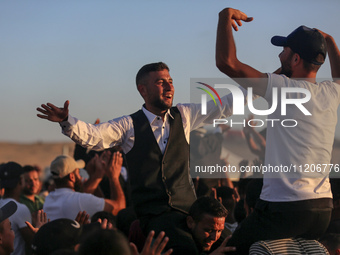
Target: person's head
{"points": [[227, 197], [304, 45], [11, 177], [55, 235], [206, 221], [32, 182], [105, 242], [65, 172], [154, 83], [6, 233]]}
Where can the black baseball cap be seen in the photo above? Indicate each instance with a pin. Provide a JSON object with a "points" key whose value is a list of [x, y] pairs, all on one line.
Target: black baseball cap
{"points": [[55, 235], [7, 210], [10, 174], [305, 41]]}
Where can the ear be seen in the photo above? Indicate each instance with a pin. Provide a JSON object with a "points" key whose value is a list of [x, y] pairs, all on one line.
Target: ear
{"points": [[190, 222], [142, 89], [296, 59], [72, 177]]}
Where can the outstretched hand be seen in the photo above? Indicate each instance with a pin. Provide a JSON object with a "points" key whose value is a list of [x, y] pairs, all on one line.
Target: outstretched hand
{"points": [[53, 113], [114, 165], [40, 219], [154, 248], [236, 17]]}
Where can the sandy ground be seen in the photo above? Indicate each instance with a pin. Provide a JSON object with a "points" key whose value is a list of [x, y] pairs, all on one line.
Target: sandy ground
{"points": [[41, 154]]}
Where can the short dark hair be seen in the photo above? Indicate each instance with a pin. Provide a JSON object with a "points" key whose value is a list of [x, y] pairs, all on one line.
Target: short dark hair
{"points": [[146, 69], [207, 205], [29, 168], [310, 67]]}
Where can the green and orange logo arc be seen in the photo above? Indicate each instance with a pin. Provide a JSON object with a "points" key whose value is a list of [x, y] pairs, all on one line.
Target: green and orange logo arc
{"points": [[209, 93]]}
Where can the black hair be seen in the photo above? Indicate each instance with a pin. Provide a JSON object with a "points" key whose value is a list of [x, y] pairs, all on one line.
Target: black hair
{"points": [[146, 69], [207, 205]]}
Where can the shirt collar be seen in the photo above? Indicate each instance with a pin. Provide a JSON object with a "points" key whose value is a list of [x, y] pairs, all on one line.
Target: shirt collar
{"points": [[151, 117]]}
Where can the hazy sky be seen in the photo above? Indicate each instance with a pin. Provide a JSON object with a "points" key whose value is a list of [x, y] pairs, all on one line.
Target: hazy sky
{"points": [[90, 51]]}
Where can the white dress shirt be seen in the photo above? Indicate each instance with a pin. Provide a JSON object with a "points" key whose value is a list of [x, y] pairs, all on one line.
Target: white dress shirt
{"points": [[120, 131]]}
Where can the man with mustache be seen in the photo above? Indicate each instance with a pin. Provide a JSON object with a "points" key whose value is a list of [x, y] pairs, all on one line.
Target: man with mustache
{"points": [[155, 140]]}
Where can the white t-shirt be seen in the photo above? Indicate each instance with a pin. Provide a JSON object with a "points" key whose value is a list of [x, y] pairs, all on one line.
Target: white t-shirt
{"points": [[17, 220], [306, 145], [66, 203]]}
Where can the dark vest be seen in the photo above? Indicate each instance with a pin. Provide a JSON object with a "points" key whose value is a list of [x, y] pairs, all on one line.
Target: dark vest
{"points": [[159, 182]]}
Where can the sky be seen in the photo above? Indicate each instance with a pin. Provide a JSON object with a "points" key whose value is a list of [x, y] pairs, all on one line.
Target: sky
{"points": [[89, 52]]}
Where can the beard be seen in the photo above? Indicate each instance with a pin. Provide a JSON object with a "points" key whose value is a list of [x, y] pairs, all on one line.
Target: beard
{"points": [[286, 70], [286, 67], [28, 192], [78, 185], [161, 104]]}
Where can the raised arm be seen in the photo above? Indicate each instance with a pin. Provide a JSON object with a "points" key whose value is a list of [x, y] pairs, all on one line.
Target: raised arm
{"points": [[96, 171], [53, 113], [117, 197], [226, 58], [334, 56]]}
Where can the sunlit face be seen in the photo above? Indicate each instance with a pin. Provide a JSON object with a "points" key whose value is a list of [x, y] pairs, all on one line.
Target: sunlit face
{"points": [[286, 65], [7, 236], [158, 91], [32, 183], [207, 231]]}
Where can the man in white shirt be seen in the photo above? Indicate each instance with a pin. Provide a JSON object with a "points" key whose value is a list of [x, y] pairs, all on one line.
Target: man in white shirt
{"points": [[67, 200], [12, 181], [294, 202], [156, 143]]}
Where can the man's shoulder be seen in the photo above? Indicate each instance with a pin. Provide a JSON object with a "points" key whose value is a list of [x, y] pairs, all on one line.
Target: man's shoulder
{"points": [[39, 199], [69, 197], [23, 199]]}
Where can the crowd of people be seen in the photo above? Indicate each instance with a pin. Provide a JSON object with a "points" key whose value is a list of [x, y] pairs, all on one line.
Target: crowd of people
{"points": [[156, 207]]}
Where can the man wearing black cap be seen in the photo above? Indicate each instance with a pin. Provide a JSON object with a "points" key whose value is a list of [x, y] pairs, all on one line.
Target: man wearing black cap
{"points": [[293, 201], [6, 232], [11, 181]]}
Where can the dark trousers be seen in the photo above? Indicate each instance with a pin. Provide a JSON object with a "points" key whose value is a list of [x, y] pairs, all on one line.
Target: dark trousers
{"points": [[173, 223], [275, 220]]}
